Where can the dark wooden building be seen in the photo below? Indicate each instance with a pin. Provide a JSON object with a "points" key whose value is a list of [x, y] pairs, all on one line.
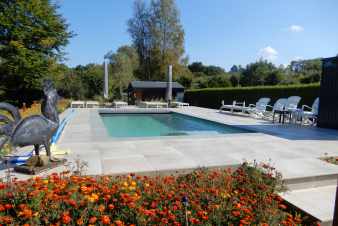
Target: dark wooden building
{"points": [[328, 104], [152, 90]]}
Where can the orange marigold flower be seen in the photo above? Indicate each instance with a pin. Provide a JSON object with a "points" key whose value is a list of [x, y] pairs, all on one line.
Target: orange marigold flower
{"points": [[8, 206], [236, 213], [66, 219], [26, 213], [282, 206], [92, 220], [101, 208], [111, 206], [105, 219], [243, 221], [164, 220], [119, 223], [72, 202], [79, 221]]}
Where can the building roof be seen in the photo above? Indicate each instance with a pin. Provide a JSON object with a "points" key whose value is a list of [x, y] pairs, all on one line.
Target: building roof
{"points": [[153, 85]]}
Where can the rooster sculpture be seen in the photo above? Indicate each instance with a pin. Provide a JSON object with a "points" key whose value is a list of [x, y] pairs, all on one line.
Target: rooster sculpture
{"points": [[34, 130]]}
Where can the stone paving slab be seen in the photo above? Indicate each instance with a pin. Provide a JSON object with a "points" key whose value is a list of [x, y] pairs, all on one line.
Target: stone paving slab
{"points": [[124, 165], [318, 202]]}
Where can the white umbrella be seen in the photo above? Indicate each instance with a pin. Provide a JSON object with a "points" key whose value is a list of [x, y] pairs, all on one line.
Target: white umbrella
{"points": [[105, 88], [170, 84]]}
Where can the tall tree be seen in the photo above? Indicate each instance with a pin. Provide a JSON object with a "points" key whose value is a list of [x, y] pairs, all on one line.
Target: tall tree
{"points": [[158, 36], [124, 63], [32, 35], [196, 67], [256, 73], [167, 36], [139, 30]]}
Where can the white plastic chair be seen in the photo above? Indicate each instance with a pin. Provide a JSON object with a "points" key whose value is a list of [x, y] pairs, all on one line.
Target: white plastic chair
{"points": [[292, 107], [310, 112], [259, 108], [278, 107]]}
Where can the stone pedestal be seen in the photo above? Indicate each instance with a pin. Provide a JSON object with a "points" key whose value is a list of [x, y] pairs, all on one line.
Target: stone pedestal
{"points": [[38, 164]]}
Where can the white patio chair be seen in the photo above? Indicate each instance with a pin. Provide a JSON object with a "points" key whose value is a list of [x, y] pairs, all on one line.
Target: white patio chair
{"points": [[312, 115], [292, 107], [278, 107], [259, 108]]}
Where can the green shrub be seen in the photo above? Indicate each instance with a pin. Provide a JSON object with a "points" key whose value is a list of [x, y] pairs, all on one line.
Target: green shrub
{"points": [[212, 97]]}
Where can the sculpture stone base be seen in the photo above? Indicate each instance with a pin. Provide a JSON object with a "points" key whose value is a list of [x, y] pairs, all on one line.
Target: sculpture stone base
{"points": [[38, 164]]}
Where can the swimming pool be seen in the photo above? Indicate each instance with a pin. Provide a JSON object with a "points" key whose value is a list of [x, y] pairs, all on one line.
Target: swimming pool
{"points": [[162, 124]]}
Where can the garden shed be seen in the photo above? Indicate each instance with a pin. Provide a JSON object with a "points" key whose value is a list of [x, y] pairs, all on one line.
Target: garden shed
{"points": [[328, 107], [152, 90]]}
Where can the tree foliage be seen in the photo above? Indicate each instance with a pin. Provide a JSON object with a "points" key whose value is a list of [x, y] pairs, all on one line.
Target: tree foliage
{"points": [[32, 35], [198, 67], [260, 73], [124, 63], [158, 37]]}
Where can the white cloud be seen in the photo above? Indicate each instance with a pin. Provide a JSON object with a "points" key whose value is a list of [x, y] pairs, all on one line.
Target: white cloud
{"points": [[296, 28], [297, 58], [268, 53]]}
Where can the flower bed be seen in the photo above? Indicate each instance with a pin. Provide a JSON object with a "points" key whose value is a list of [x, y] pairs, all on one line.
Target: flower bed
{"points": [[331, 159], [246, 196]]}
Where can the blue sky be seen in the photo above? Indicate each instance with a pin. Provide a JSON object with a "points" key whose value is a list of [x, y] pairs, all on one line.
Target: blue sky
{"points": [[218, 32]]}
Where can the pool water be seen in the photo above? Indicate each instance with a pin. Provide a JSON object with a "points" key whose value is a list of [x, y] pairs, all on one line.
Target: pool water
{"points": [[168, 124]]}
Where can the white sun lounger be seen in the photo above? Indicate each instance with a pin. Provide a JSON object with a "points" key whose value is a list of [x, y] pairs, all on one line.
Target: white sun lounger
{"points": [[77, 104], [236, 106], [92, 104], [180, 104], [118, 104], [153, 104]]}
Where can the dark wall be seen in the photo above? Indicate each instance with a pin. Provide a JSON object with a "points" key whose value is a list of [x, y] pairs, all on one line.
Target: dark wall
{"points": [[212, 97], [150, 94], [328, 104]]}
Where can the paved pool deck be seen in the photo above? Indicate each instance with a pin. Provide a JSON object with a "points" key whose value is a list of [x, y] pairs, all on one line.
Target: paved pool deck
{"points": [[292, 149]]}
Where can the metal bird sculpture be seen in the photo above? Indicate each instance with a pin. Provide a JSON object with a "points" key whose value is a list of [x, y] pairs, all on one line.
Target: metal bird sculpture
{"points": [[34, 130]]}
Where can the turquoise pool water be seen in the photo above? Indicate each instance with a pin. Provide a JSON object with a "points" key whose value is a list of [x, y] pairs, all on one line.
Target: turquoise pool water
{"points": [[168, 124]]}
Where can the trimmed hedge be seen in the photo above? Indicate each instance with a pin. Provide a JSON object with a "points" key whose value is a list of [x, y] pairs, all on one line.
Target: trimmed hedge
{"points": [[212, 97]]}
